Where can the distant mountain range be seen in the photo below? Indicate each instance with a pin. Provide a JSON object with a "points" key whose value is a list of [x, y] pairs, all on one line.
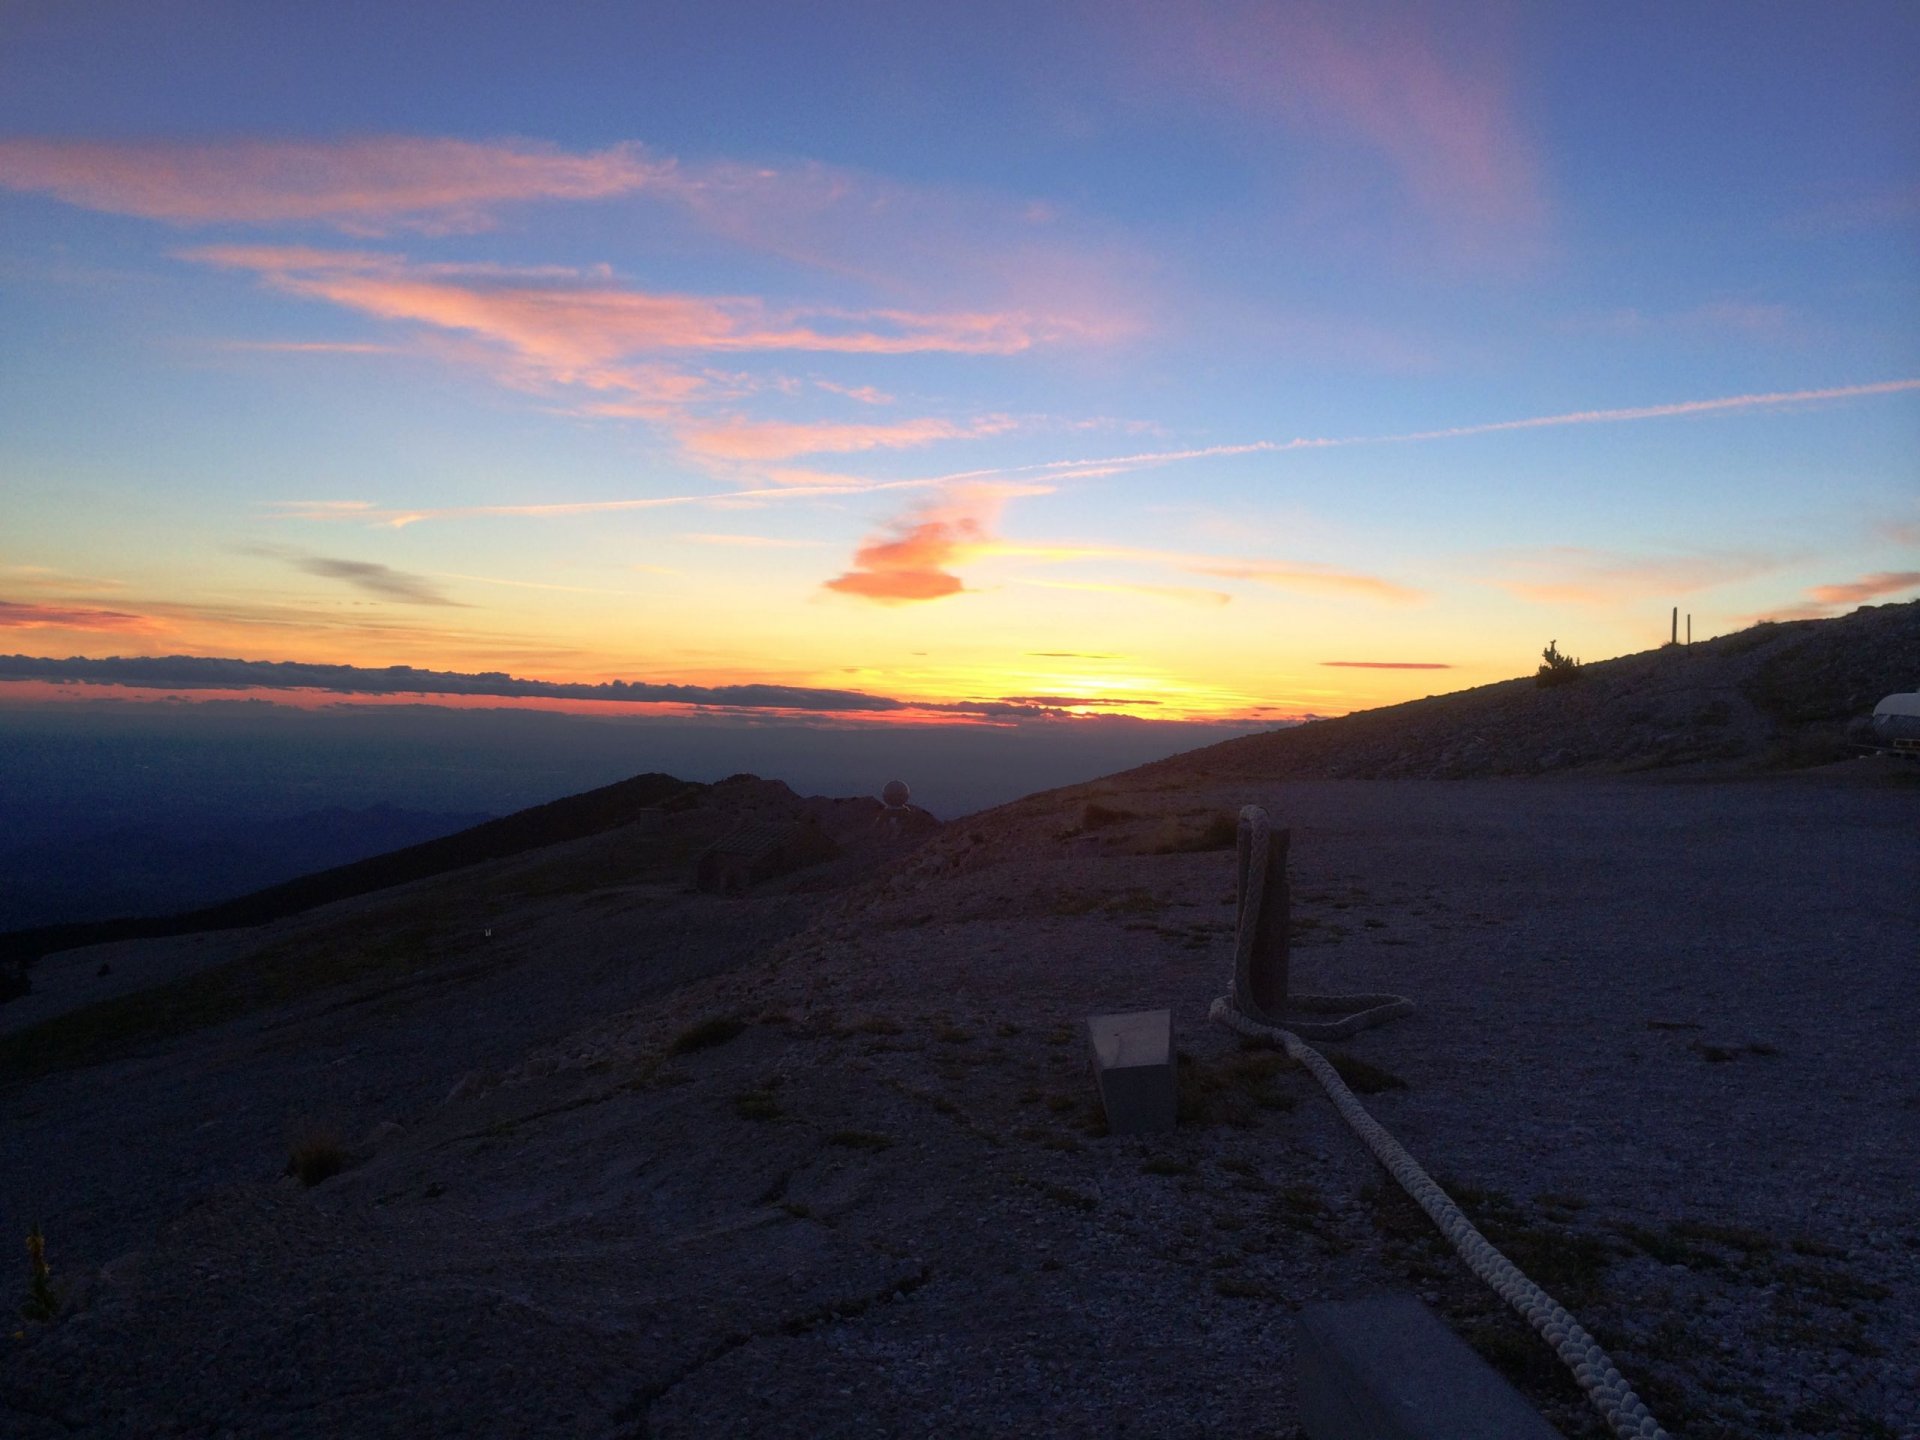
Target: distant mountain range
{"points": [[482, 838], [1772, 696]]}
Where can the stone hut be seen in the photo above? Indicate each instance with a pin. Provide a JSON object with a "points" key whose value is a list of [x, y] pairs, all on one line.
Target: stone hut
{"points": [[759, 850]]}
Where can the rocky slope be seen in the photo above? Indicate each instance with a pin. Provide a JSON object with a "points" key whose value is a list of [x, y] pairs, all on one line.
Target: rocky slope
{"points": [[1774, 696], [594, 1152]]}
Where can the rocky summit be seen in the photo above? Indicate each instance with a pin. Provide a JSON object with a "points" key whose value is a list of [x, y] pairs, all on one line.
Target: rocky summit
{"points": [[737, 1113]]}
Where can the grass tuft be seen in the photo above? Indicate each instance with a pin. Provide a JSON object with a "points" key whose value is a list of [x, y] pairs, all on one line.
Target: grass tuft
{"points": [[315, 1157], [756, 1105], [1363, 1077], [860, 1140], [715, 1030], [41, 1303], [1097, 816]]}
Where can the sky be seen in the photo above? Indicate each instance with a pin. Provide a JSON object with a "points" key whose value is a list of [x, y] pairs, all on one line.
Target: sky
{"points": [[1226, 362]]}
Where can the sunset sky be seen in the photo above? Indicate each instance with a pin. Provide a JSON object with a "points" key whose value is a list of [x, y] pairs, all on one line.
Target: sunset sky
{"points": [[1212, 361]]}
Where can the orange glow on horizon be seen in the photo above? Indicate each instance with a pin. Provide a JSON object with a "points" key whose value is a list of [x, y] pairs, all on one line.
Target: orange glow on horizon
{"points": [[910, 713]]}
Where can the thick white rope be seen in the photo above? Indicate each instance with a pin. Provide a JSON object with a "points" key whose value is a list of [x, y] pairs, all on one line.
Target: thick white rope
{"points": [[1579, 1351]]}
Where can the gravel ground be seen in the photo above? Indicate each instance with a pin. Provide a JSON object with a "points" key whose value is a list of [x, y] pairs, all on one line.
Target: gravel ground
{"points": [[1663, 1053]]}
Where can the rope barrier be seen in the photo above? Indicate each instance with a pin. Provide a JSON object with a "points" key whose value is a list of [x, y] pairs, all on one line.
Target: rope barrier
{"points": [[1579, 1351]]}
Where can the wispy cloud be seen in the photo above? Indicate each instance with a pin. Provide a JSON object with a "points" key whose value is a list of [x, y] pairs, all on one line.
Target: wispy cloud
{"points": [[1771, 400], [738, 439], [1314, 578], [397, 517], [1061, 701], [1746, 319], [751, 542], [367, 576], [1826, 601], [612, 351], [363, 185], [1173, 594], [17, 615], [1867, 587], [913, 559], [1578, 575], [900, 238], [1098, 466], [799, 484], [1900, 531], [312, 347], [1386, 664], [1440, 115], [576, 320]]}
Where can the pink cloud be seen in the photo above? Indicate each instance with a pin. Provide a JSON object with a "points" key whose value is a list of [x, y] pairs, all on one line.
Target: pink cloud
{"points": [[365, 185], [909, 564], [1312, 578], [1440, 115], [899, 238], [1576, 575], [777, 440], [1867, 587], [910, 561], [577, 325], [33, 616], [865, 394], [1174, 594]]}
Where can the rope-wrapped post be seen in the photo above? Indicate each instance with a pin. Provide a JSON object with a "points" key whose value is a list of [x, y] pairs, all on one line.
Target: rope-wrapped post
{"points": [[1263, 918], [1262, 865]]}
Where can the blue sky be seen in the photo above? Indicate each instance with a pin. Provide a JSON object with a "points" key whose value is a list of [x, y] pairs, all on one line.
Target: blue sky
{"points": [[1162, 360]]}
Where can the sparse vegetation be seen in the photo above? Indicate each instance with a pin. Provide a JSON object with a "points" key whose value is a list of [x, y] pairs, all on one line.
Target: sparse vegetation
{"points": [[757, 1105], [41, 1302], [715, 1030], [1220, 831], [1237, 1287], [1363, 1077], [1232, 1090], [1097, 816], [860, 1140], [1555, 668], [316, 1156], [276, 975]]}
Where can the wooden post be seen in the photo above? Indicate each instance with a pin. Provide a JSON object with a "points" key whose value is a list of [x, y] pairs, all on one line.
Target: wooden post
{"points": [[1674, 638], [1689, 627], [1263, 990]]}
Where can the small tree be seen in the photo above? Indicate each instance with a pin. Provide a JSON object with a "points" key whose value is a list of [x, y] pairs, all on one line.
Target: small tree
{"points": [[1555, 668]]}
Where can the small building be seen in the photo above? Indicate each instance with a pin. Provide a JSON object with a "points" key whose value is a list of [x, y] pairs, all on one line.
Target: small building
{"points": [[760, 850]]}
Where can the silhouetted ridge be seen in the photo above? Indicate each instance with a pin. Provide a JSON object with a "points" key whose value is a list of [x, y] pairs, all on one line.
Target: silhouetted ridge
{"points": [[1774, 696], [571, 818]]}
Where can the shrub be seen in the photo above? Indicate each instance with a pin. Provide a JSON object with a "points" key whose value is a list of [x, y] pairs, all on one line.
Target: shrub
{"points": [[1097, 816], [860, 1140], [1555, 668], [1221, 832], [319, 1156], [41, 1302], [756, 1105], [717, 1030]]}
